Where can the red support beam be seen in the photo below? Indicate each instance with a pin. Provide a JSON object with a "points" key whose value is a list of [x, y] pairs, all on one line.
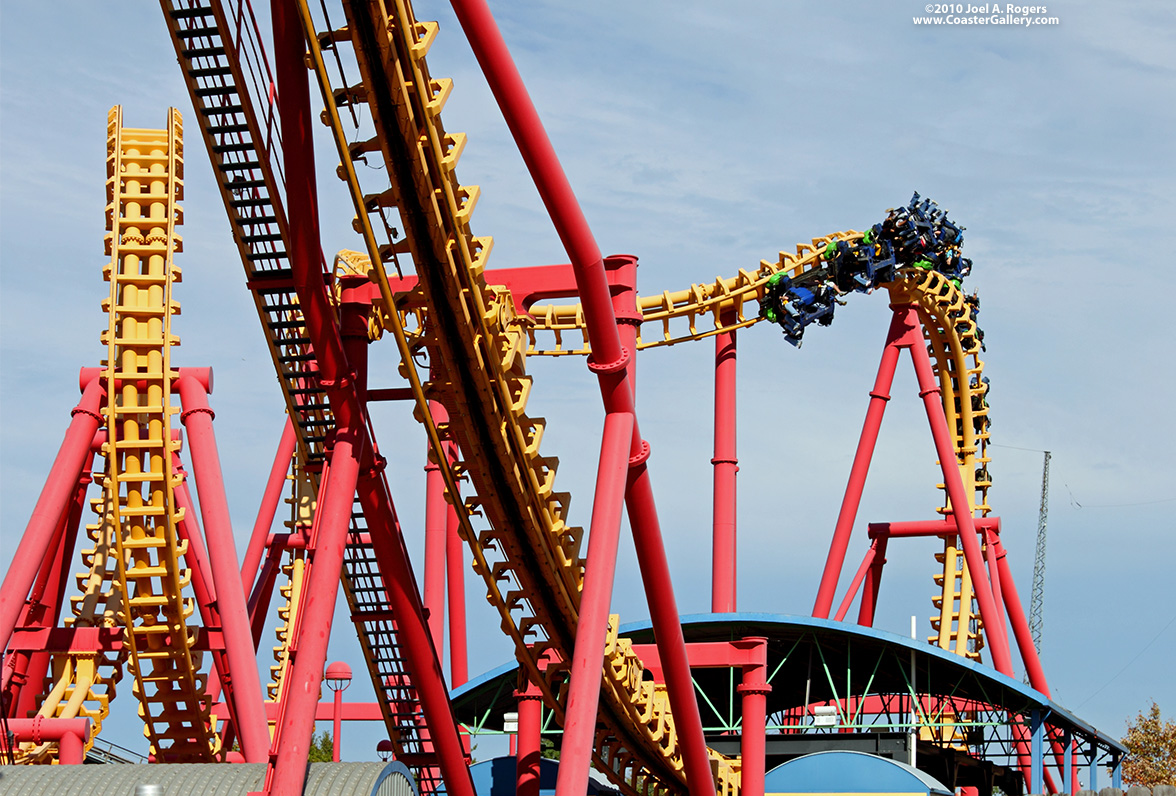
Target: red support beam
{"points": [[990, 539], [922, 528], [726, 464], [194, 386], [70, 734], [420, 658], [596, 596], [867, 564], [275, 485], [530, 746], [869, 604], [312, 628], [1019, 625], [954, 483], [263, 591], [608, 357], [54, 501], [753, 737], [43, 609], [860, 469], [197, 556], [455, 582], [436, 524], [663, 611], [205, 592]]}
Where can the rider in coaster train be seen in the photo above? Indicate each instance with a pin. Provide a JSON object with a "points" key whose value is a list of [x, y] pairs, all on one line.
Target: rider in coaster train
{"points": [[919, 235]]}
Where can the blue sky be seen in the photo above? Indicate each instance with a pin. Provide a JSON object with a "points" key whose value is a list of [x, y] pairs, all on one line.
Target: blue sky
{"points": [[705, 140]]}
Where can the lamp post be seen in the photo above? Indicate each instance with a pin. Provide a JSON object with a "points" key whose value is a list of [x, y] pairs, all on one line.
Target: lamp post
{"points": [[384, 750], [338, 677]]}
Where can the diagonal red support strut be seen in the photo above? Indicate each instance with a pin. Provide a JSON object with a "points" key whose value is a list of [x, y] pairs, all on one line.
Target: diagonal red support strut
{"points": [[53, 502], [861, 467], [608, 360], [906, 331], [338, 380]]}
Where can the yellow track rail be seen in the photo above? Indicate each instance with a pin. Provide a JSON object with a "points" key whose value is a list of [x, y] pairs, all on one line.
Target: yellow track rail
{"points": [[528, 556], [703, 310], [134, 578], [698, 312], [144, 186]]}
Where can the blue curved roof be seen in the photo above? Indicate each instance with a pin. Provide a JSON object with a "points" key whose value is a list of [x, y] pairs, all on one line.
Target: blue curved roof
{"points": [[850, 772], [839, 644]]}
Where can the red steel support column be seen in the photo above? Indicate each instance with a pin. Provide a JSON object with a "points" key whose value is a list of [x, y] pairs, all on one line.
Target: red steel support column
{"points": [[924, 528], [869, 602], [202, 585], [994, 577], [847, 600], [530, 747], [723, 550], [54, 501], [591, 629], [667, 629], [43, 608], [70, 734], [422, 662], [263, 592], [436, 523], [860, 469], [933, 403], [197, 556], [252, 729], [312, 630], [608, 356], [274, 487], [455, 581], [753, 738], [1020, 627]]}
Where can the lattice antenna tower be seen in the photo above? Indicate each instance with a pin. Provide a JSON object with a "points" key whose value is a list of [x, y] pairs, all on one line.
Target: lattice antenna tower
{"points": [[1037, 600]]}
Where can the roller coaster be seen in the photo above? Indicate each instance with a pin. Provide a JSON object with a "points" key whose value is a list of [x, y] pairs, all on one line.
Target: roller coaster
{"points": [[163, 596]]}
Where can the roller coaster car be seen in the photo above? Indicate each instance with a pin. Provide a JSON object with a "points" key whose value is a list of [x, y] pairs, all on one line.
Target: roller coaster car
{"points": [[953, 266], [851, 267], [918, 235], [794, 306]]}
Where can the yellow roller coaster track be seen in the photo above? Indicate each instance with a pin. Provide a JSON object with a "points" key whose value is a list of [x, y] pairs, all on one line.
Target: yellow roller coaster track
{"points": [[135, 579], [953, 342], [145, 183], [529, 557], [476, 343]]}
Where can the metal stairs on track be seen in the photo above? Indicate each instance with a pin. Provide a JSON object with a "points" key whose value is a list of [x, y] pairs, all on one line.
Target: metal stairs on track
{"points": [[367, 600], [227, 79]]}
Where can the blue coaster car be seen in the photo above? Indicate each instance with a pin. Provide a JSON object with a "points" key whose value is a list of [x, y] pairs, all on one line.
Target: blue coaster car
{"points": [[794, 306]]}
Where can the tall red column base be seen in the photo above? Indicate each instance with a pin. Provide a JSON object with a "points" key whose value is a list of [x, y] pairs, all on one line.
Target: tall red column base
{"points": [[529, 751], [53, 502]]}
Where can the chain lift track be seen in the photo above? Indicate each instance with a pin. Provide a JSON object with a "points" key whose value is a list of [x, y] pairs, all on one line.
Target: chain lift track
{"points": [[229, 79]]}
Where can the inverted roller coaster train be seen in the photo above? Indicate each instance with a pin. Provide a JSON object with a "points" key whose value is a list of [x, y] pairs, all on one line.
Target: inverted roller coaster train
{"points": [[162, 584]]}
